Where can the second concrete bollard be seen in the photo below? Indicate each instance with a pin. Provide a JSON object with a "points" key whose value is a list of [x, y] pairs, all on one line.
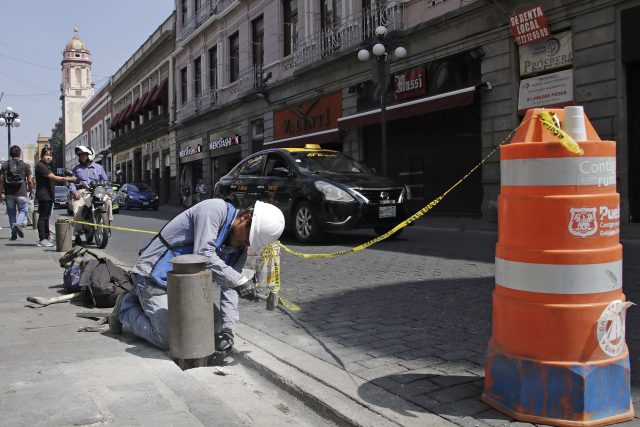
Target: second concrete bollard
{"points": [[190, 303], [64, 235]]}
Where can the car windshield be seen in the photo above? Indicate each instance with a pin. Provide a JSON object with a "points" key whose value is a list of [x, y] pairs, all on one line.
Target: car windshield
{"points": [[140, 188], [61, 191], [326, 162]]}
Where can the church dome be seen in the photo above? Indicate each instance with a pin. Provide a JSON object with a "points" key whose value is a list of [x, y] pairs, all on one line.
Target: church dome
{"points": [[75, 43]]}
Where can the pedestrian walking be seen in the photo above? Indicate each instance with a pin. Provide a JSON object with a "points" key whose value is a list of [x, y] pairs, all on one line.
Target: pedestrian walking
{"points": [[185, 191], [200, 191], [16, 183], [215, 229], [45, 195]]}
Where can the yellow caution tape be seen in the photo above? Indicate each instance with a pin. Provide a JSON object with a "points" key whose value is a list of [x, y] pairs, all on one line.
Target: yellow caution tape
{"points": [[110, 226], [269, 253], [550, 121]]}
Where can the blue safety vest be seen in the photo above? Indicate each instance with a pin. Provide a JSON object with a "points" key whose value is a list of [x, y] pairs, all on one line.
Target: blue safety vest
{"points": [[163, 266]]}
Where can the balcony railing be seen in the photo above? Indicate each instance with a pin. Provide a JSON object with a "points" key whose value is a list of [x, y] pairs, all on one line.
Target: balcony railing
{"points": [[207, 8], [248, 81], [349, 32], [149, 128]]}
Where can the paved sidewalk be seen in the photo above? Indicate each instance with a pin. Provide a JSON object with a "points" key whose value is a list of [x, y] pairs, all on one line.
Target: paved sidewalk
{"points": [[53, 375]]}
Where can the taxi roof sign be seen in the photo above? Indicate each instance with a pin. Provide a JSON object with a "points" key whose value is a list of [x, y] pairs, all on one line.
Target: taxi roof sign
{"points": [[312, 146]]}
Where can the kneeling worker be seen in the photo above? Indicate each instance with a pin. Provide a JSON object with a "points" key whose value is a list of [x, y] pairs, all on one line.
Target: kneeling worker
{"points": [[215, 229]]}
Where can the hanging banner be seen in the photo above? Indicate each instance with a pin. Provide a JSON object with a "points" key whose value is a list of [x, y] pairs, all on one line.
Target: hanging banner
{"points": [[550, 90], [529, 26], [547, 55]]}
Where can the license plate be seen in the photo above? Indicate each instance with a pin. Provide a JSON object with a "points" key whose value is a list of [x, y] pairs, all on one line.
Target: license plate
{"points": [[145, 204], [387, 212]]}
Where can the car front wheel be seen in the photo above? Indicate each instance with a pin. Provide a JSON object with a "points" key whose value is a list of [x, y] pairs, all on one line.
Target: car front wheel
{"points": [[305, 223]]}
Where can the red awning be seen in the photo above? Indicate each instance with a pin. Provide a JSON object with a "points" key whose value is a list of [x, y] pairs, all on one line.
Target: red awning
{"points": [[132, 112], [416, 107], [161, 94], [331, 135], [114, 121], [150, 95]]}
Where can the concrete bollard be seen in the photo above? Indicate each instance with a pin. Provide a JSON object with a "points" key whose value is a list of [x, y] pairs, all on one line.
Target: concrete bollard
{"points": [[190, 302], [34, 219], [64, 235]]}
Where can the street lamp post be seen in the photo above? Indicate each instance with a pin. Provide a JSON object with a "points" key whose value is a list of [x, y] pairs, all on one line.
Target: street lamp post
{"points": [[382, 54], [9, 118]]}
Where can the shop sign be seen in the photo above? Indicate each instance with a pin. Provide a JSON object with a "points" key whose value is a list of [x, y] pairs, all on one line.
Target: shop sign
{"points": [[555, 89], [190, 148], [308, 117], [123, 157], [410, 83], [529, 26], [216, 143], [552, 53]]}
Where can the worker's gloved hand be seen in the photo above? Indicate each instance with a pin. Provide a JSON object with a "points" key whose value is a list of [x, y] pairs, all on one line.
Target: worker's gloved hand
{"points": [[247, 291]]}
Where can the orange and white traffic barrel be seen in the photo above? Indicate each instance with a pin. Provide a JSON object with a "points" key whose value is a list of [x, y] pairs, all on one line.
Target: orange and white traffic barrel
{"points": [[557, 354]]}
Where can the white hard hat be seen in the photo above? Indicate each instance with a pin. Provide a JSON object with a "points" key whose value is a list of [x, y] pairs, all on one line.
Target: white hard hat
{"points": [[267, 224], [88, 150]]}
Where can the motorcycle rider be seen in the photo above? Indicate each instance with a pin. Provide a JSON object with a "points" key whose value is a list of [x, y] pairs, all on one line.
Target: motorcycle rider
{"points": [[213, 228], [86, 171]]}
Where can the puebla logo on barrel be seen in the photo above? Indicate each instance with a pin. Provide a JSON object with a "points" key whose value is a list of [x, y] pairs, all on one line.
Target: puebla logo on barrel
{"points": [[583, 222]]}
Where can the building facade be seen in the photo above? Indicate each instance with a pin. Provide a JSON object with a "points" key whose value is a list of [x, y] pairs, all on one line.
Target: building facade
{"points": [[96, 121], [76, 87], [143, 145], [279, 73]]}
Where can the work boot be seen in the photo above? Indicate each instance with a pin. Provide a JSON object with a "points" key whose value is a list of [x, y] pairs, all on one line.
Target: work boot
{"points": [[77, 241], [18, 230], [224, 340], [115, 325]]}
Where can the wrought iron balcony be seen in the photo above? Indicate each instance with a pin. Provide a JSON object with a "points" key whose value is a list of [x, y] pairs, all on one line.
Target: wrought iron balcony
{"points": [[348, 33], [207, 8], [249, 81], [148, 130]]}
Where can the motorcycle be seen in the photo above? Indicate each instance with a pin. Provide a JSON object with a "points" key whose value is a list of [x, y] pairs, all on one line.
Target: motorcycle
{"points": [[94, 210]]}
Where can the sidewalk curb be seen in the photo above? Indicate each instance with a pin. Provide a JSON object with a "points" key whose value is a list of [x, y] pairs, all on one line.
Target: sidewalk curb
{"points": [[338, 392]]}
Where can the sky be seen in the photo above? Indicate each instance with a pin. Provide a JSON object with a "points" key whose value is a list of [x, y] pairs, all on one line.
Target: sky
{"points": [[35, 32]]}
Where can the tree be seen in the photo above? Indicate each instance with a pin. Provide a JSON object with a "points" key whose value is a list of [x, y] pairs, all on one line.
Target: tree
{"points": [[57, 146]]}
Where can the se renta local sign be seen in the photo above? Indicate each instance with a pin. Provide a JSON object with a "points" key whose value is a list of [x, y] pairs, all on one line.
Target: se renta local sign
{"points": [[529, 26]]}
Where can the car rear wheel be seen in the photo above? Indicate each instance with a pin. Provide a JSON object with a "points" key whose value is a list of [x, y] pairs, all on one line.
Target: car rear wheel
{"points": [[305, 223], [381, 230]]}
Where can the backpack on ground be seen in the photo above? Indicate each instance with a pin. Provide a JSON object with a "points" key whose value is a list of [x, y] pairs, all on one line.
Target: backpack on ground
{"points": [[96, 277], [15, 174], [104, 281]]}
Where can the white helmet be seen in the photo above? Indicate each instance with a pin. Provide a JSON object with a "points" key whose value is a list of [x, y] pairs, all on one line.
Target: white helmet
{"points": [[267, 224], [88, 150]]}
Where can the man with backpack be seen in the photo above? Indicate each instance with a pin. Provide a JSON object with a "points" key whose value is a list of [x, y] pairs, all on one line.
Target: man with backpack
{"points": [[16, 185]]}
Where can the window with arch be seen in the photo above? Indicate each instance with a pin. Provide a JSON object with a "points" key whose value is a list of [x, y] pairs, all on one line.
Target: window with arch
{"points": [[290, 22]]}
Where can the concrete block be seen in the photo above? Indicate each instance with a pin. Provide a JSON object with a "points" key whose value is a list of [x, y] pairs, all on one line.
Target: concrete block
{"points": [[594, 73], [598, 18], [595, 55], [594, 37]]}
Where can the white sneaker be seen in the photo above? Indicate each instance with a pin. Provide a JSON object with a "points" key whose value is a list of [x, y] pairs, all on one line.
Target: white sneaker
{"points": [[44, 243]]}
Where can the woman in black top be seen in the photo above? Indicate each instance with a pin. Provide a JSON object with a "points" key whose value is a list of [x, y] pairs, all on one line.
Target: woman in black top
{"points": [[45, 194]]}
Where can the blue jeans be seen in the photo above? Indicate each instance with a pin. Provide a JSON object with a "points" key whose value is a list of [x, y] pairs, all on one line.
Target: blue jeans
{"points": [[147, 316], [22, 204]]}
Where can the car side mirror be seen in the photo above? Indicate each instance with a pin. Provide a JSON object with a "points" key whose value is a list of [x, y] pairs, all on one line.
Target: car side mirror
{"points": [[281, 172]]}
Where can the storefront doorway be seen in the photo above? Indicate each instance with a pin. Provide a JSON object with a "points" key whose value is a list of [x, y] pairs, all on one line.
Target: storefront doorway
{"points": [[430, 153]]}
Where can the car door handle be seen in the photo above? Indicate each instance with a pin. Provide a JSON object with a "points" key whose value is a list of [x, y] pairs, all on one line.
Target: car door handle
{"points": [[260, 187], [233, 186]]}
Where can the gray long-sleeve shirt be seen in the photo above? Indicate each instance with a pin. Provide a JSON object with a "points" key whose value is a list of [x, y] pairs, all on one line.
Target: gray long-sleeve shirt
{"points": [[198, 226]]}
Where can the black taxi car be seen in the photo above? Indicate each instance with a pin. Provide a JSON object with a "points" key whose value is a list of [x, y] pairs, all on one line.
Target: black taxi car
{"points": [[317, 190]]}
